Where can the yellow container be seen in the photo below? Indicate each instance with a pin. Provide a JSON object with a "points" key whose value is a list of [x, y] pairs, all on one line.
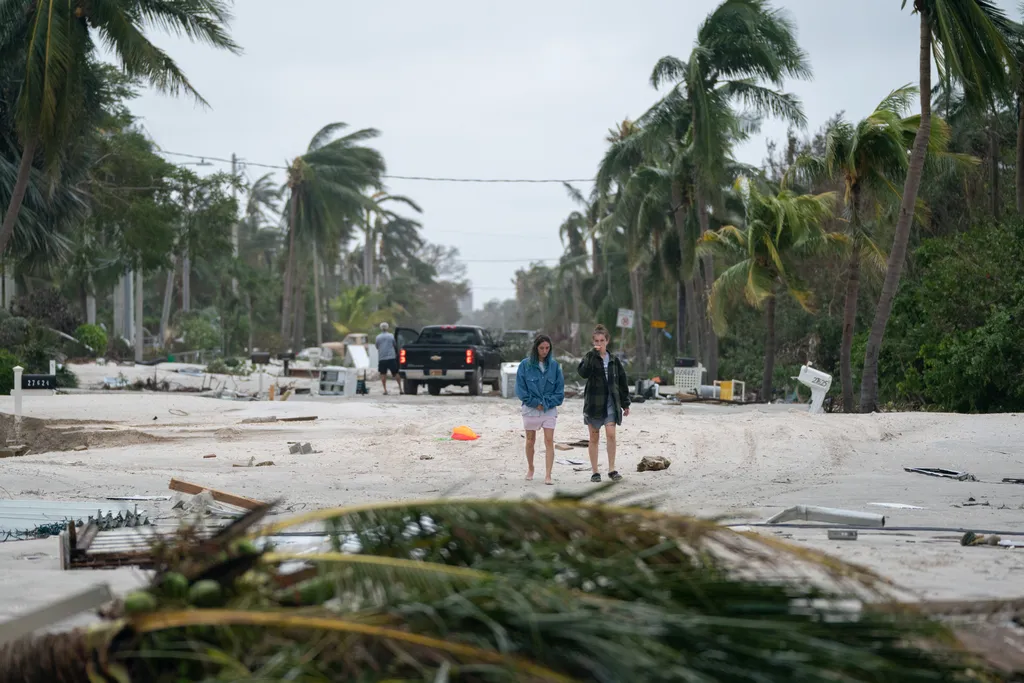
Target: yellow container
{"points": [[726, 390]]}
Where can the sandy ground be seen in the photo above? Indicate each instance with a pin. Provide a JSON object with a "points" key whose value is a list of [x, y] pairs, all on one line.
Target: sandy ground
{"points": [[744, 463]]}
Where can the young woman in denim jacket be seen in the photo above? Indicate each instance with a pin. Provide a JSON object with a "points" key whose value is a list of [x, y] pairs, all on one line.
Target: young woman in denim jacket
{"points": [[541, 387]]}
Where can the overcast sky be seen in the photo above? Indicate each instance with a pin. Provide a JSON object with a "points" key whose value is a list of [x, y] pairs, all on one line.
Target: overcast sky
{"points": [[473, 89]]}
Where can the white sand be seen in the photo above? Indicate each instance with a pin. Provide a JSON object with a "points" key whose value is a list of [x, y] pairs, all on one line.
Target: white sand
{"points": [[746, 463]]}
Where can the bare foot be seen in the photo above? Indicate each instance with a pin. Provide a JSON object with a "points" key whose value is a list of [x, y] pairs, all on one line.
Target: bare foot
{"points": [[549, 481], [529, 475]]}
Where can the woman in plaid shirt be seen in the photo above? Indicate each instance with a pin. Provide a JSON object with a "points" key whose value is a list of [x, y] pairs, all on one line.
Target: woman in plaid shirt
{"points": [[605, 399]]}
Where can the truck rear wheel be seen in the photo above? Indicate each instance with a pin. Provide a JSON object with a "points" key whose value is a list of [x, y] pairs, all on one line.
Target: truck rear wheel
{"points": [[410, 387], [476, 383]]}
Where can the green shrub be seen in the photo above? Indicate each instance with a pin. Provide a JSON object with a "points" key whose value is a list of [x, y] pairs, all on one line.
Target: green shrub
{"points": [[199, 333], [92, 336], [218, 367], [7, 363]]}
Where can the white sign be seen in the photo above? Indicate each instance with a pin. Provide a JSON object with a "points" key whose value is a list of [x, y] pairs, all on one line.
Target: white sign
{"points": [[574, 330], [624, 319]]}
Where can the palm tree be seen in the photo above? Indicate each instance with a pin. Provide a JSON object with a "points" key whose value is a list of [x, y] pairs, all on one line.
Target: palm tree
{"points": [[868, 159], [969, 39], [446, 590], [742, 48], [325, 187], [57, 39], [780, 231], [389, 238], [360, 308]]}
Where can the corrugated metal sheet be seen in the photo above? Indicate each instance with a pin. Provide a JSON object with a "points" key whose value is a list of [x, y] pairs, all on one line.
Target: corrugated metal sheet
{"points": [[21, 516]]}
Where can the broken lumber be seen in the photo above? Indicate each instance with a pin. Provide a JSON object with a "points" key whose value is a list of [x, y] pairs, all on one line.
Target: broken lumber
{"points": [[220, 496]]}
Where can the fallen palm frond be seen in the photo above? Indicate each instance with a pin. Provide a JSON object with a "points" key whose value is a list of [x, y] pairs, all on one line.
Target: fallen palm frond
{"points": [[449, 590]]}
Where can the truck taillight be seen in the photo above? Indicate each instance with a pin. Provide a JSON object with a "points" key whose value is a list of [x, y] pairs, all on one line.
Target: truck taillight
{"points": [[401, 356], [469, 356]]}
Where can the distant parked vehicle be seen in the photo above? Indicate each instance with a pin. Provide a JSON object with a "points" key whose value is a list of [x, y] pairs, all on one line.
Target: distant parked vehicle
{"points": [[518, 336], [449, 355]]}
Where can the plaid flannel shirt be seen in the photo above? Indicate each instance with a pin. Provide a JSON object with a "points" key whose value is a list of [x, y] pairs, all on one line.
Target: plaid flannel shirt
{"points": [[595, 395]]}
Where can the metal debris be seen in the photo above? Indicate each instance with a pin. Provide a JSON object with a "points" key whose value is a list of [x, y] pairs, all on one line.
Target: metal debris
{"points": [[37, 518], [942, 473]]}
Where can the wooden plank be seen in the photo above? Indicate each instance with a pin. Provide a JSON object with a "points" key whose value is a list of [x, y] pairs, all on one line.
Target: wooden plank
{"points": [[222, 496]]}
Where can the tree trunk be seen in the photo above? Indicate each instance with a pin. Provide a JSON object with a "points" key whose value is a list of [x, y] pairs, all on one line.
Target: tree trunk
{"points": [[708, 261], [680, 319], [317, 306], [165, 312], [655, 352], [299, 308], [17, 194], [689, 315], [636, 285], [575, 315], [252, 323], [286, 295], [186, 283], [894, 268], [849, 321], [1020, 153], [994, 151], [140, 335], [769, 349]]}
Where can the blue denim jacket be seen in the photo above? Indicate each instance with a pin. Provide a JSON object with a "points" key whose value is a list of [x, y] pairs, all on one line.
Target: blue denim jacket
{"points": [[535, 388]]}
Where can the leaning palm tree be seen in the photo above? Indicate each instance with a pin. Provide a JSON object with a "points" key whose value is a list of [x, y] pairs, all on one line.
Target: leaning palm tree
{"points": [[968, 38], [447, 590], [326, 189], [57, 40], [869, 159], [745, 50], [781, 230]]}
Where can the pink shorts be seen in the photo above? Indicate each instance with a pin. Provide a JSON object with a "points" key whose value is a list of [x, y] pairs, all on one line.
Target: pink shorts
{"points": [[532, 424]]}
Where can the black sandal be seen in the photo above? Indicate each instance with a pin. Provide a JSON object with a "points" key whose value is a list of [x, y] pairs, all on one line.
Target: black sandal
{"points": [[596, 478], [615, 476]]}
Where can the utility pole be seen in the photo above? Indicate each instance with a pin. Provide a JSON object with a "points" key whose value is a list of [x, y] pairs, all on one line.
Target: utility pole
{"points": [[234, 226]]}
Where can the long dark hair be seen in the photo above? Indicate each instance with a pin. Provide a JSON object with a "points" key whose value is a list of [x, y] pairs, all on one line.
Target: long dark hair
{"points": [[538, 340]]}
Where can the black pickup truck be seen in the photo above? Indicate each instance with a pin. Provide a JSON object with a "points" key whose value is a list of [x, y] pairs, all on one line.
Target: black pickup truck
{"points": [[450, 355]]}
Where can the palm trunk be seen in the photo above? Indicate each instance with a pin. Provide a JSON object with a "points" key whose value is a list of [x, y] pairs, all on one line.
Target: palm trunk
{"points": [[316, 299], [693, 324], [299, 328], [140, 339], [286, 295], [769, 349], [689, 316], [708, 261], [636, 285], [17, 194], [575, 315], [894, 268], [252, 323], [993, 150], [186, 283], [1020, 153], [849, 321], [680, 318], [655, 352], [165, 312]]}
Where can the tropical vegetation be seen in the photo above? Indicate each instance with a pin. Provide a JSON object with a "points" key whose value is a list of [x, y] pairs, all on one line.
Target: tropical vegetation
{"points": [[908, 184]]}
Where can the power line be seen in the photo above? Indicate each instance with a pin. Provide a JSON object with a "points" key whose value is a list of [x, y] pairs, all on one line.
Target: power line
{"points": [[433, 179]]}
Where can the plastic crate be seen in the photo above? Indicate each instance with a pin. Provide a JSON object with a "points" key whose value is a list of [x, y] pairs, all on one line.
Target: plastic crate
{"points": [[688, 379]]}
